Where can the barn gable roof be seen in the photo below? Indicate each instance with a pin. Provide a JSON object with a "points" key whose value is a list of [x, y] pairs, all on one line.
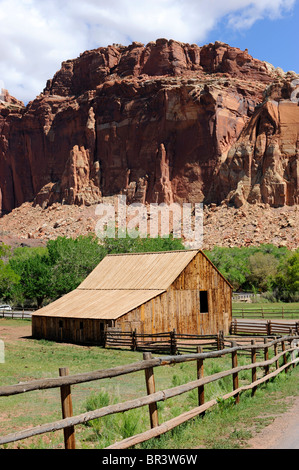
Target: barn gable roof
{"points": [[139, 271], [97, 304], [119, 284]]}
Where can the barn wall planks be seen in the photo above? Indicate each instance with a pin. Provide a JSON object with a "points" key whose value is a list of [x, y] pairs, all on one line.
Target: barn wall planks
{"points": [[179, 307], [69, 330]]}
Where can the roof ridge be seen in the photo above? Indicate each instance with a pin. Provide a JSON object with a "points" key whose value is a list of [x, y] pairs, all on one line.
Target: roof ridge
{"points": [[194, 250], [121, 288]]}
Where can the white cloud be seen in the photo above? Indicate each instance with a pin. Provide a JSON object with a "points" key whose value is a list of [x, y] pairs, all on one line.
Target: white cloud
{"points": [[36, 36]]}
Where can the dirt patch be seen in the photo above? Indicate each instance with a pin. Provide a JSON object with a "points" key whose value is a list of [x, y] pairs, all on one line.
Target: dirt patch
{"points": [[280, 433], [11, 333]]}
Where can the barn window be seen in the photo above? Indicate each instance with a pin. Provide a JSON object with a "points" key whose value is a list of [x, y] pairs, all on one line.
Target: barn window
{"points": [[203, 301], [60, 324], [81, 325]]}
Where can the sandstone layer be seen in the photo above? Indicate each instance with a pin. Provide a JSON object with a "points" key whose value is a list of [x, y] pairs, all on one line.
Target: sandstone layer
{"points": [[162, 122]]}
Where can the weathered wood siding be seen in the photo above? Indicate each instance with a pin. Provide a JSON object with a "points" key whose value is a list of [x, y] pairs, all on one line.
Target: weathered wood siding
{"points": [[179, 307], [69, 330]]}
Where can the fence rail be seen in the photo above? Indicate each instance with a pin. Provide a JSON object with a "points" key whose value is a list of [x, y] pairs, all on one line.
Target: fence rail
{"points": [[65, 381], [167, 342], [267, 327], [16, 313], [266, 312]]}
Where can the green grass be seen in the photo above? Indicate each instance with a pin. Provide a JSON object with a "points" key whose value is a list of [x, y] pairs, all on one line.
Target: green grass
{"points": [[226, 426], [274, 311], [275, 306]]}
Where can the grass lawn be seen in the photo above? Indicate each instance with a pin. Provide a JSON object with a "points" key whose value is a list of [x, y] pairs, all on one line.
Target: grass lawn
{"points": [[274, 311], [226, 426]]}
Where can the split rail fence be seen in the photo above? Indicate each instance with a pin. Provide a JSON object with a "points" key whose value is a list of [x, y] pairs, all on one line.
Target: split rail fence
{"points": [[16, 313], [266, 312], [289, 346], [168, 342], [263, 327]]}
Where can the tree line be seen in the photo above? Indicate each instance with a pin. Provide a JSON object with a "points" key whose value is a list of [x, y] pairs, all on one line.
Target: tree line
{"points": [[266, 269], [36, 276]]}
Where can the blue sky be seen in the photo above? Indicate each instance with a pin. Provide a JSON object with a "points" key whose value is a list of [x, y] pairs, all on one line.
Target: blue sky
{"points": [[275, 41], [36, 36]]}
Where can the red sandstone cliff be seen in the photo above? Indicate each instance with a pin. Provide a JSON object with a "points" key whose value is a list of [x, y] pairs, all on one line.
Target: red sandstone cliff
{"points": [[263, 165], [162, 122]]}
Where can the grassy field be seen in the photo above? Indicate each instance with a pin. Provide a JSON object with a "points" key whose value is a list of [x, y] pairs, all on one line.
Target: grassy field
{"points": [[272, 311], [226, 426]]}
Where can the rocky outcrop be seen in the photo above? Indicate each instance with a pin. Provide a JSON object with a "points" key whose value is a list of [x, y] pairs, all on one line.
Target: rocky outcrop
{"points": [[263, 165], [162, 122]]}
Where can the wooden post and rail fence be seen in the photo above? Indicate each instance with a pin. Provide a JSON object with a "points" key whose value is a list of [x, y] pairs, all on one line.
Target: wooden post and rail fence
{"points": [[177, 343], [266, 311], [169, 342], [263, 327], [289, 346]]}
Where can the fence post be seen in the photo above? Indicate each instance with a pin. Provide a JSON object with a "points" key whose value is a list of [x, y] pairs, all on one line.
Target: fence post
{"points": [[105, 336], [269, 329], [134, 340], [233, 327], [275, 354], [67, 411], [173, 344], [200, 374], [151, 388], [253, 360], [266, 356], [220, 340], [285, 355], [235, 375]]}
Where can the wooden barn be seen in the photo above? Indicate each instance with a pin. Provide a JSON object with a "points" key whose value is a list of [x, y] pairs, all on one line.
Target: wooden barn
{"points": [[149, 292]]}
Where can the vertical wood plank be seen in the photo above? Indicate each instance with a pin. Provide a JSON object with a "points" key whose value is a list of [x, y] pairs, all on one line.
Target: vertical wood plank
{"points": [[253, 371], [200, 375], [173, 343], [235, 375], [266, 356], [151, 388], [284, 356], [275, 354], [67, 411]]}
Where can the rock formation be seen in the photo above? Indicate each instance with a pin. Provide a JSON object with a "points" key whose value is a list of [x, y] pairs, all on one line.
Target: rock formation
{"points": [[263, 165], [165, 122]]}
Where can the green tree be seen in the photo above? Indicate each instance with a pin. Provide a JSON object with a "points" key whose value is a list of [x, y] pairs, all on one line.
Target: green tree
{"points": [[232, 263], [243, 267], [48, 273], [35, 277], [126, 244], [71, 261], [286, 283], [8, 278], [5, 251], [262, 267], [8, 281]]}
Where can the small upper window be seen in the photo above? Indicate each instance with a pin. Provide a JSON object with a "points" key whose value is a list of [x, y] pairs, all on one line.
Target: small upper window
{"points": [[203, 301]]}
